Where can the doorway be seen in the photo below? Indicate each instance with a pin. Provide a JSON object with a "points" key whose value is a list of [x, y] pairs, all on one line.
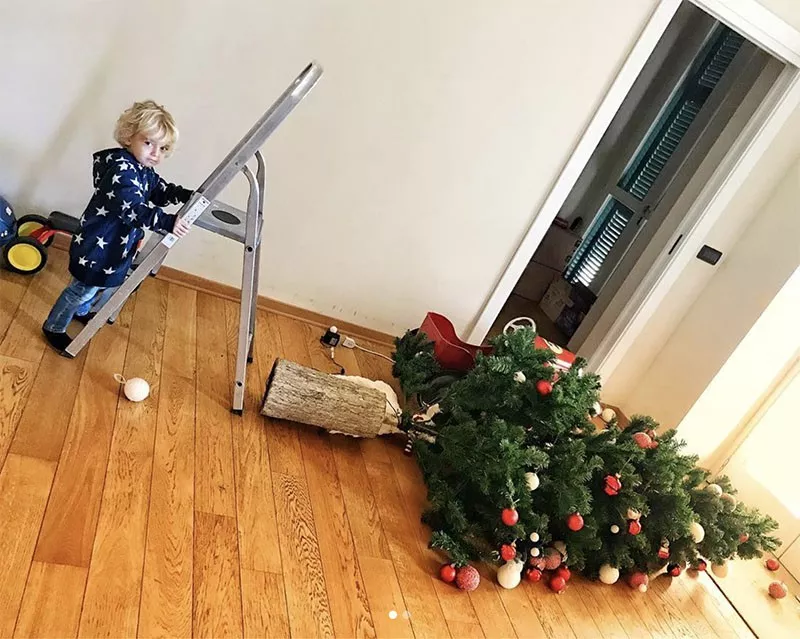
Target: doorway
{"points": [[695, 95], [667, 266]]}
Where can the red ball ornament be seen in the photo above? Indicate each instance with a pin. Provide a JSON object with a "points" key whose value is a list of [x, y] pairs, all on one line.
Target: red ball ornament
{"points": [[558, 584], [778, 590], [674, 570], [533, 574], [544, 387], [575, 522], [612, 485], [638, 581], [447, 573], [744, 538], [508, 552], [701, 566], [643, 440], [663, 552], [634, 527], [467, 578], [563, 572], [772, 564], [510, 516]]}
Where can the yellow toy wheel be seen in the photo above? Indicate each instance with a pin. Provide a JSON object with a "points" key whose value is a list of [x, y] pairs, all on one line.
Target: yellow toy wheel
{"points": [[25, 256], [29, 224]]}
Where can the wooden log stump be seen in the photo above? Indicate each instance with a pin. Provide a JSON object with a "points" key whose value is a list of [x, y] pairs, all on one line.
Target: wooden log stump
{"points": [[333, 402]]}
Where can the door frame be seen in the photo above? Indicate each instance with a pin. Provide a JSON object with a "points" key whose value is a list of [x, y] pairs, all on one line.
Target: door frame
{"points": [[759, 25]]}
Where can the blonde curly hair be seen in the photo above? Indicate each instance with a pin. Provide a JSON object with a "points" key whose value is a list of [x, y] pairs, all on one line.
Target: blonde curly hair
{"points": [[149, 118]]}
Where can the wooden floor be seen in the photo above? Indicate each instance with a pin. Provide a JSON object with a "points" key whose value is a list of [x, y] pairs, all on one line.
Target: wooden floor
{"points": [[173, 517]]}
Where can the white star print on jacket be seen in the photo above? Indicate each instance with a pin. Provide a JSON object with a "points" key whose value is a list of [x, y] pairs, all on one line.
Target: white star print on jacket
{"points": [[126, 202]]}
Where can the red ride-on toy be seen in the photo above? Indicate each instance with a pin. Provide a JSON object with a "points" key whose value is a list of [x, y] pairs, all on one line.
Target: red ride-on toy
{"points": [[27, 253]]}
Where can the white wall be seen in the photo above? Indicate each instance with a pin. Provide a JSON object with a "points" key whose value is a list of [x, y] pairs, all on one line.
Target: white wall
{"points": [[402, 184], [710, 309]]}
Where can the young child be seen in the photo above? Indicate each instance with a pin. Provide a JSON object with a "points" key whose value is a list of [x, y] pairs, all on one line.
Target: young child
{"points": [[127, 198]]}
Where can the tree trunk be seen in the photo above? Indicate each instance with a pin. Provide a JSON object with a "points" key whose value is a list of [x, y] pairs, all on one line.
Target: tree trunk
{"points": [[332, 402]]}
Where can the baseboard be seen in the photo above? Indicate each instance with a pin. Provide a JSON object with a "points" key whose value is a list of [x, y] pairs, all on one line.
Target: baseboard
{"points": [[225, 291]]}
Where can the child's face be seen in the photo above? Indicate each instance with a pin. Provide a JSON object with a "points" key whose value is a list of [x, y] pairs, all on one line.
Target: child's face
{"points": [[146, 150]]}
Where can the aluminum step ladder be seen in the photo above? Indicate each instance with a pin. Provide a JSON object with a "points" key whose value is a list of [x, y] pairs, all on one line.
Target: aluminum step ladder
{"points": [[204, 211]]}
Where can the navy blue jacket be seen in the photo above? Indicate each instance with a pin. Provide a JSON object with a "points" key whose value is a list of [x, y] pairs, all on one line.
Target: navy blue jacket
{"points": [[127, 201]]}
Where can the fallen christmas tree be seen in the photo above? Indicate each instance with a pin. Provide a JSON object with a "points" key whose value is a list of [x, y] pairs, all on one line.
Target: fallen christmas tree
{"points": [[519, 474]]}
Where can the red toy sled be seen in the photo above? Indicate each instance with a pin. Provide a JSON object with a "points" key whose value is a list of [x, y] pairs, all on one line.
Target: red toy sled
{"points": [[454, 354]]}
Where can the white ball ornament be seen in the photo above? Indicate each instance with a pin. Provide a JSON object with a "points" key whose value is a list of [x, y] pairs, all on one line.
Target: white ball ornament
{"points": [[608, 574], [729, 502], [519, 377], [136, 389], [715, 489], [596, 409], [614, 529], [697, 532], [532, 481], [534, 537], [510, 574], [535, 552], [608, 415]]}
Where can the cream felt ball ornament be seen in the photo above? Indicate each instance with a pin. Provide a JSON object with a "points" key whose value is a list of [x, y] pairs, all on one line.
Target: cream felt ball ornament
{"points": [[608, 415], [609, 574], [136, 389], [697, 532]]}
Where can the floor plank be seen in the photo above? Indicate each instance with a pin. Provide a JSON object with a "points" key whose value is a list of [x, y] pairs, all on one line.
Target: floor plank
{"points": [[43, 425], [67, 535], [24, 486], [214, 482], [52, 603], [180, 338], [549, 613], [576, 612], [385, 598], [166, 608], [113, 591], [12, 289], [259, 548], [16, 381], [23, 339], [488, 605], [365, 522], [521, 612], [343, 580], [217, 586], [696, 593], [264, 604], [598, 608], [427, 619], [306, 596]]}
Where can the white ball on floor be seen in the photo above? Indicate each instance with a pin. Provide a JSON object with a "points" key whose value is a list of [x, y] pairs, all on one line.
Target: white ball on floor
{"points": [[608, 415], [136, 389]]}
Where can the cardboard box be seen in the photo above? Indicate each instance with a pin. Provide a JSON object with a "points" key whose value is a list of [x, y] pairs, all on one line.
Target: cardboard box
{"points": [[556, 298]]}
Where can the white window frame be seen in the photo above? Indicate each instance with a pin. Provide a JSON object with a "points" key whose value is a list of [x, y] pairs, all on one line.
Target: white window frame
{"points": [[760, 26]]}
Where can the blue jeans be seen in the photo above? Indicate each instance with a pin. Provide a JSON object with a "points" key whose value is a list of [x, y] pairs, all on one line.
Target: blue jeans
{"points": [[77, 299]]}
